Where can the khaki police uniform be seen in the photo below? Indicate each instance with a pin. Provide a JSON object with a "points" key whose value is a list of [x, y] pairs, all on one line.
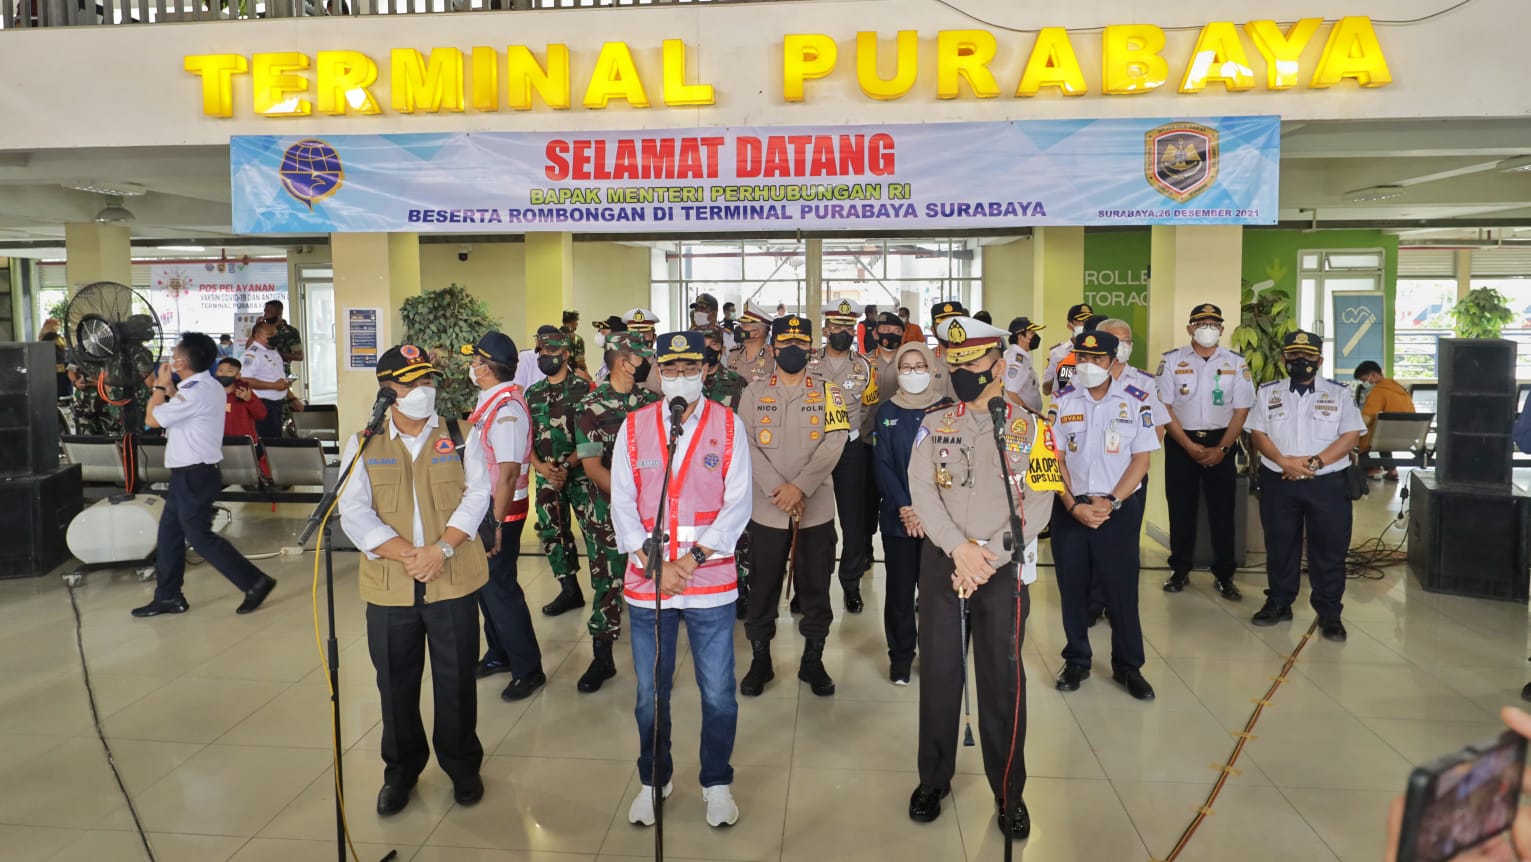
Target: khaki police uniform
{"points": [[852, 373]]}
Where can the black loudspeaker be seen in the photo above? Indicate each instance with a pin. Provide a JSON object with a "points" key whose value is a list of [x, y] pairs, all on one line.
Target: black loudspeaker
{"points": [[37, 510], [28, 408], [1475, 412], [1469, 542]]}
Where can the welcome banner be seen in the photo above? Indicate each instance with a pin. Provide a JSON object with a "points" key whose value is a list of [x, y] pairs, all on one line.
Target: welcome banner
{"points": [[864, 178]]}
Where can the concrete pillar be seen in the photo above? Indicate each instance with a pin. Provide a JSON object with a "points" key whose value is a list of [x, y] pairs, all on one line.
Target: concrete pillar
{"points": [[549, 285], [97, 252], [1189, 266], [1009, 276], [372, 270], [1057, 278], [1464, 272], [813, 280]]}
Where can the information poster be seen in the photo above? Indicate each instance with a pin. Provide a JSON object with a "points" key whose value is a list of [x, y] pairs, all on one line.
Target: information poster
{"points": [[1359, 318], [214, 296], [362, 337]]}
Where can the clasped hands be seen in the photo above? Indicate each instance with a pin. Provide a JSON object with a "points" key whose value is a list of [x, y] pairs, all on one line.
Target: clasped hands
{"points": [[1093, 513], [975, 566], [789, 498], [1207, 456], [423, 564], [674, 576], [1295, 467]]}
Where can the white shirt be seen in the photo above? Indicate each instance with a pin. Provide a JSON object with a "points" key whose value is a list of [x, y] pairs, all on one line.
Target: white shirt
{"points": [[264, 364], [1193, 386], [722, 535], [1304, 425], [1142, 381], [193, 422], [361, 522], [527, 371], [1097, 439], [1021, 377], [508, 434]]}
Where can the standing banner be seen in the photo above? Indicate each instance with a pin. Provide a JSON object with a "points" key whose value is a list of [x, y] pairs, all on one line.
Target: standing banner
{"points": [[210, 296], [1359, 324], [1221, 170]]}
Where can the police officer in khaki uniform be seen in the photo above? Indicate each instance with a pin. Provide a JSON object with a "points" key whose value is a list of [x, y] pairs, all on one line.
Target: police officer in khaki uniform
{"points": [[957, 487], [753, 357], [849, 370], [798, 427]]}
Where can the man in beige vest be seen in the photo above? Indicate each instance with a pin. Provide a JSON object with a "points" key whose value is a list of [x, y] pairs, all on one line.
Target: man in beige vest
{"points": [[413, 506]]}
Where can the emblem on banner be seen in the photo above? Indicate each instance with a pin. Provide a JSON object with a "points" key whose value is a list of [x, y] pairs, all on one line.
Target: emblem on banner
{"points": [[311, 171], [1180, 160]]}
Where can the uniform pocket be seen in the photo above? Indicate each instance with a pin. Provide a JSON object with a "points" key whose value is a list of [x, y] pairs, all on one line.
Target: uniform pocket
{"points": [[386, 480], [446, 495]]}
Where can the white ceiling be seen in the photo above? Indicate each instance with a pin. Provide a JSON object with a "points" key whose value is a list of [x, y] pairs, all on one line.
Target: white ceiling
{"points": [[1448, 171]]}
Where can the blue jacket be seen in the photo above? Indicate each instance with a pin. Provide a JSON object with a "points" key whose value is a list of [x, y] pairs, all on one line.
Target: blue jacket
{"points": [[892, 441]]}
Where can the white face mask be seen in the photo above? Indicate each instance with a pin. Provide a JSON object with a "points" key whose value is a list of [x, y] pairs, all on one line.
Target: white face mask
{"points": [[699, 318], [420, 403], [914, 382], [686, 386], [1077, 329], [1207, 336], [1123, 351], [1089, 375]]}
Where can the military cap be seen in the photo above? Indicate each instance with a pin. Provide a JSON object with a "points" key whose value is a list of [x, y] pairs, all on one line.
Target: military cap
{"points": [[1080, 313], [793, 327], [1302, 341], [754, 314], [704, 301], [1092, 343], [967, 338], [640, 320], [1206, 311], [889, 318], [405, 363], [679, 346], [841, 312], [495, 347], [1024, 324], [552, 338], [629, 342], [950, 308]]}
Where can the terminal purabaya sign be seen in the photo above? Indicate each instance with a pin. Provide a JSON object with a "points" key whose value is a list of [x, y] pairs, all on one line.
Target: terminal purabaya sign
{"points": [[1134, 61]]}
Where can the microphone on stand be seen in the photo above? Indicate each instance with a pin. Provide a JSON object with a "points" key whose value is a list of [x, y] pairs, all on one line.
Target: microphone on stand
{"points": [[385, 397], [677, 410], [997, 413]]}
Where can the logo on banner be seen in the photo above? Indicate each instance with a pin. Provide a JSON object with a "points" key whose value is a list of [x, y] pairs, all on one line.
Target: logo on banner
{"points": [[1180, 160], [311, 171]]}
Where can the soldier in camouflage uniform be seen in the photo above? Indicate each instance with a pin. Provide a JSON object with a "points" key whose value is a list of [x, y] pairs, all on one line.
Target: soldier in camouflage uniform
{"points": [[576, 342], [560, 486], [89, 413], [289, 344], [725, 385], [597, 421]]}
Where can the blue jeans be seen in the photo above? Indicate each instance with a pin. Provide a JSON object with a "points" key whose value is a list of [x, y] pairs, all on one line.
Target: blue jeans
{"points": [[711, 634]]}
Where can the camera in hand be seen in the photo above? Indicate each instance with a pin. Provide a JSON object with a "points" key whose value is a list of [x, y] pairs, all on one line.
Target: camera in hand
{"points": [[1462, 800]]}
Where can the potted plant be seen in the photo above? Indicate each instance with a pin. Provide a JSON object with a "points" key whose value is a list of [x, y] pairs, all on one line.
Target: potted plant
{"points": [[1266, 318], [1482, 313], [442, 321]]}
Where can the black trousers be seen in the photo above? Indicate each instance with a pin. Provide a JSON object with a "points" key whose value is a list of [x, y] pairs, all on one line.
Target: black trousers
{"points": [[188, 517], [397, 638], [508, 633], [1108, 554], [901, 556], [850, 477], [997, 633], [270, 428], [1317, 509], [1098, 589], [770, 548], [1185, 481]]}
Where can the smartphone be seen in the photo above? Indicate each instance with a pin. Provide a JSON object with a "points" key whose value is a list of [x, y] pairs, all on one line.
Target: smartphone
{"points": [[1462, 800]]}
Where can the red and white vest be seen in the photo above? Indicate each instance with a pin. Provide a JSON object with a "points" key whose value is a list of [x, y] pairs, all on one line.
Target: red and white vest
{"points": [[483, 418], [695, 494]]}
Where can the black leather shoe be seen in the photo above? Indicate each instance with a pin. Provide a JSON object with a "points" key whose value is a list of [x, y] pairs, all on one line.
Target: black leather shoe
{"points": [[1271, 613], [1332, 629], [256, 594], [1071, 676], [925, 804], [1017, 825], [1135, 684], [853, 602], [1095, 615], [568, 599], [490, 667], [521, 689], [176, 605], [1227, 589], [1177, 582], [392, 798], [468, 791]]}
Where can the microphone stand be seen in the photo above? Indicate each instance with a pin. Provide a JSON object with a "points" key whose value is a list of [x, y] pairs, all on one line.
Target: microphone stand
{"points": [[315, 518], [1017, 542], [654, 549]]}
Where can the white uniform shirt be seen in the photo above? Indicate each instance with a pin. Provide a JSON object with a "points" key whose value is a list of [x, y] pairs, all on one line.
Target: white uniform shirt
{"points": [[1055, 356], [361, 522], [1203, 393], [527, 371], [722, 535], [193, 422], [1142, 381], [1305, 424], [1097, 439], [508, 434], [264, 364], [1021, 377]]}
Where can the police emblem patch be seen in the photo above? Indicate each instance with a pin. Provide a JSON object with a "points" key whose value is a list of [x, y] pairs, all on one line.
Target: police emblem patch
{"points": [[765, 437], [1180, 160], [678, 342]]}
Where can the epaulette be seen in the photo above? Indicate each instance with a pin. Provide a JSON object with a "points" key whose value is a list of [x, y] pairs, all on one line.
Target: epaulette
{"points": [[942, 404], [1064, 391], [1171, 350], [1272, 382], [1135, 392]]}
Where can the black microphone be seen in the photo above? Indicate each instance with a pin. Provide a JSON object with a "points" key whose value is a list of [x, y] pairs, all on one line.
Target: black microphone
{"points": [[385, 397], [997, 413], [677, 410]]}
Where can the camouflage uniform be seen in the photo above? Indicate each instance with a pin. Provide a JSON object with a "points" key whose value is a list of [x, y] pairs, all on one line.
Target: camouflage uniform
{"points": [[286, 340], [599, 418], [552, 408], [92, 415], [576, 348]]}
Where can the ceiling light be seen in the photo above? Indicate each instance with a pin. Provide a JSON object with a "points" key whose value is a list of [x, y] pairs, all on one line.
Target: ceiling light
{"points": [[181, 248], [114, 212], [1373, 193], [1516, 165], [121, 190]]}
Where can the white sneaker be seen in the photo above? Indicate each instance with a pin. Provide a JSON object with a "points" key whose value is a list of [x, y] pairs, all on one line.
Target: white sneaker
{"points": [[721, 809], [642, 810]]}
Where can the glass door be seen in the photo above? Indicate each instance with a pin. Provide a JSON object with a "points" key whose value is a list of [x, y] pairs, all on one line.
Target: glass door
{"points": [[318, 292], [1322, 275]]}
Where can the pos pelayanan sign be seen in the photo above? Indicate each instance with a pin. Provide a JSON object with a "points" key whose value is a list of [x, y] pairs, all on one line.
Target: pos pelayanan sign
{"points": [[896, 177]]}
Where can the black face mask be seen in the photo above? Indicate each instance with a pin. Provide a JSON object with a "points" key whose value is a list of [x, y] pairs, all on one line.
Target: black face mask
{"points": [[890, 340], [641, 373], [968, 385], [791, 360], [840, 341], [549, 365], [1028, 341], [710, 356], [1301, 370], [226, 382]]}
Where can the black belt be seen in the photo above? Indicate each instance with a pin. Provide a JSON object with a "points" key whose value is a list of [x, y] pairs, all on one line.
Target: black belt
{"points": [[1216, 434], [191, 467]]}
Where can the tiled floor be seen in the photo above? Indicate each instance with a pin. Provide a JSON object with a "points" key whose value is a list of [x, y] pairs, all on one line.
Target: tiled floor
{"points": [[220, 725]]}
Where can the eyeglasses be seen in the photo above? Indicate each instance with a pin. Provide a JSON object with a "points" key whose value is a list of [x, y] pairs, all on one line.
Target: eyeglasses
{"points": [[913, 369]]}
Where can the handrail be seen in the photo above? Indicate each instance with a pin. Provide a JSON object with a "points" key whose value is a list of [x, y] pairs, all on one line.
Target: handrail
{"points": [[31, 14]]}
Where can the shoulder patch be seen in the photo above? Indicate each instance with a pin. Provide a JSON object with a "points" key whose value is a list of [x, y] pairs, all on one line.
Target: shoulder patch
{"points": [[939, 406], [1137, 393]]}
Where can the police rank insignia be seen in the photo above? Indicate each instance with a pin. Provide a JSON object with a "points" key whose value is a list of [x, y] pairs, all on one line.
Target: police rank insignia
{"points": [[1073, 443], [1180, 160], [765, 436]]}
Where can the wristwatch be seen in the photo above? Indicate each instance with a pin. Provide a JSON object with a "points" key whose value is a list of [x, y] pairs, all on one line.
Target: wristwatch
{"points": [[1080, 500], [1226, 449], [446, 549], [698, 554], [1115, 503], [1315, 463]]}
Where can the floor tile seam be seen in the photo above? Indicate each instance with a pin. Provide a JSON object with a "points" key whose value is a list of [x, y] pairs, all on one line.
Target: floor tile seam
{"points": [[1333, 851]]}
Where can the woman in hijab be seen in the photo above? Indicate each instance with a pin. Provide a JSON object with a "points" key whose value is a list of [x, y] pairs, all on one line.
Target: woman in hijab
{"points": [[898, 420]]}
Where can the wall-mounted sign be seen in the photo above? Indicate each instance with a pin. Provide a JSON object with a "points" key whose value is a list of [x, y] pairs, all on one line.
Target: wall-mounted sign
{"points": [[898, 177]]}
